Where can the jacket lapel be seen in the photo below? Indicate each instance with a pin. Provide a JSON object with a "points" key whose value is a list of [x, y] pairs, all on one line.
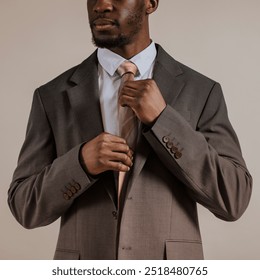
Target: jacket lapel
{"points": [[85, 104], [166, 73], [84, 99]]}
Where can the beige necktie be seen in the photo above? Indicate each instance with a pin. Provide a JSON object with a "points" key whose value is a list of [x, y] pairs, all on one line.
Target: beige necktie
{"points": [[127, 119]]}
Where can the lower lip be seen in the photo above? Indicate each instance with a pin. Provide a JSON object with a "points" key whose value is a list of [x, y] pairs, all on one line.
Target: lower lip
{"points": [[104, 27]]}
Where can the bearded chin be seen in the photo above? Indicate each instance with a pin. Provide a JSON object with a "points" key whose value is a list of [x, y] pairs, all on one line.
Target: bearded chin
{"points": [[110, 43]]}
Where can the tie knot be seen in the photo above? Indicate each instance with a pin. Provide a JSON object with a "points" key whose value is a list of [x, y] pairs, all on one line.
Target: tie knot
{"points": [[127, 67]]}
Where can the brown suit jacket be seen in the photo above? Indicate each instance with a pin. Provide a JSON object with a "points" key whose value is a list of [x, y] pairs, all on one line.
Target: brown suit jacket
{"points": [[190, 155]]}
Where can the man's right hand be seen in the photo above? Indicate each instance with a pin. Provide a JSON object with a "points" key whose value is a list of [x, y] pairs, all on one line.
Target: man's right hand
{"points": [[106, 152]]}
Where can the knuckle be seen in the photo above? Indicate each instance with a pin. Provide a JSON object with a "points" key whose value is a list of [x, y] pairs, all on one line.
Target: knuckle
{"points": [[146, 87], [126, 148], [138, 103], [125, 157], [100, 159], [102, 145], [105, 137], [119, 165]]}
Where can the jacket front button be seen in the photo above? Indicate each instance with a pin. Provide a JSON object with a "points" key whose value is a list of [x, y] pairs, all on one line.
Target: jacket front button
{"points": [[114, 214]]}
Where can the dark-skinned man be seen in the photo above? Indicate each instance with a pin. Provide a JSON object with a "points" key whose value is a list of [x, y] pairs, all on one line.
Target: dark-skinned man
{"points": [[123, 146]]}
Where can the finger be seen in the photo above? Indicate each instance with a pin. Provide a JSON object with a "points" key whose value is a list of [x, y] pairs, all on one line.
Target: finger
{"points": [[128, 91], [125, 100], [119, 147], [117, 166], [116, 152], [130, 153], [135, 85], [120, 157], [110, 138]]}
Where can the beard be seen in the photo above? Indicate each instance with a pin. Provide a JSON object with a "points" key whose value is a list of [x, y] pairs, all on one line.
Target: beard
{"points": [[110, 43], [134, 22]]}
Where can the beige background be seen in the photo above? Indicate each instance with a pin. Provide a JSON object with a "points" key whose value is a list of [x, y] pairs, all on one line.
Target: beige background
{"points": [[221, 38]]}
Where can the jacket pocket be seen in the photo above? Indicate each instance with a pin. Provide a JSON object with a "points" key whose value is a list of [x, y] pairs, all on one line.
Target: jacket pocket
{"points": [[62, 254], [184, 250]]}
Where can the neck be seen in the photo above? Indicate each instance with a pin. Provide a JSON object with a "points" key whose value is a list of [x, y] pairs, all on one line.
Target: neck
{"points": [[133, 48]]}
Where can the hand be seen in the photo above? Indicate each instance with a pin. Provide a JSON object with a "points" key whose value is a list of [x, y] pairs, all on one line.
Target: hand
{"points": [[145, 99], [106, 152]]}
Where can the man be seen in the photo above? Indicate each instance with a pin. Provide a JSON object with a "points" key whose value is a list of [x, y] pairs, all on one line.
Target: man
{"points": [[122, 199]]}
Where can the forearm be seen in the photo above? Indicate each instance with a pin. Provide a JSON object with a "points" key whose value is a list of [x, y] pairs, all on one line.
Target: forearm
{"points": [[45, 183], [41, 198], [211, 167]]}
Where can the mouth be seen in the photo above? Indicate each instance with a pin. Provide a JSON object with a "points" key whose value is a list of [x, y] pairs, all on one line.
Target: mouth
{"points": [[103, 24]]}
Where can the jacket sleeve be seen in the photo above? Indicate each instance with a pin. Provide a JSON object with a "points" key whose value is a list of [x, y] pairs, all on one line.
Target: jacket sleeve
{"points": [[44, 186], [207, 159]]}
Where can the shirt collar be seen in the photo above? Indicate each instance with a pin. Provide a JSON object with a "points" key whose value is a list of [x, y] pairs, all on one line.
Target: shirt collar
{"points": [[110, 61]]}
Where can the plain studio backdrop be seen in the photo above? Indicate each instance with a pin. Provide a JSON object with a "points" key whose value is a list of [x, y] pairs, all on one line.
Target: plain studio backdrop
{"points": [[221, 39]]}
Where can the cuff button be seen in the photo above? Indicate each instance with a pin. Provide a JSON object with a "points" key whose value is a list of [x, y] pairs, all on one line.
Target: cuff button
{"points": [[178, 155], [70, 194], [169, 145], [73, 189], [77, 186], [65, 195], [174, 149], [165, 139]]}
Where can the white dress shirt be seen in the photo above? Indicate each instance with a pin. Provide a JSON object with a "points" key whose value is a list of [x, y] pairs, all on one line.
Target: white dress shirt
{"points": [[109, 81]]}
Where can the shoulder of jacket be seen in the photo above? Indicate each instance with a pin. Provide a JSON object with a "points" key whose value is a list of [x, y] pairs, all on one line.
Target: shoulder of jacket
{"points": [[64, 80]]}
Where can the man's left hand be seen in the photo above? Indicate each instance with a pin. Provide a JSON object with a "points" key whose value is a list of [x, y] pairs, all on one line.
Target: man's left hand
{"points": [[144, 98]]}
